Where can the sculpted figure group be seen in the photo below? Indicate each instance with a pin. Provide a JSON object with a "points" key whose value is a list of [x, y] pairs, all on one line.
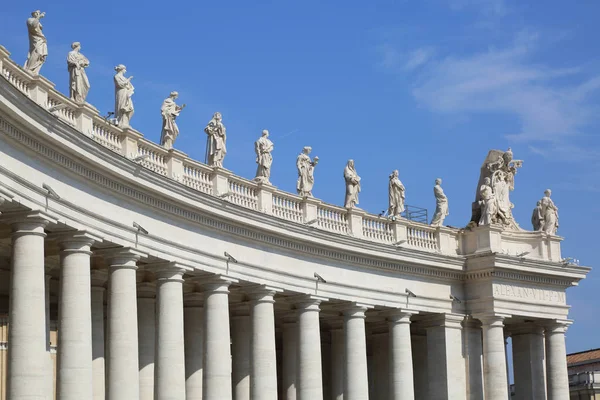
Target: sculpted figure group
{"points": [[492, 205]]}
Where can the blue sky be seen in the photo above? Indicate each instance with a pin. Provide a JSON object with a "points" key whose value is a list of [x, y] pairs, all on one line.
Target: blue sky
{"points": [[426, 87]]}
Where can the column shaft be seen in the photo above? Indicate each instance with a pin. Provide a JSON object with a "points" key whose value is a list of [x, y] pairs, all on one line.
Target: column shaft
{"points": [[290, 350], [401, 383], [494, 358], [193, 315], [556, 364], [27, 323], [380, 343], [74, 348], [146, 317], [338, 362], [170, 346], [310, 380], [123, 367], [241, 331], [217, 350], [263, 358], [528, 362], [421, 378], [356, 381]]}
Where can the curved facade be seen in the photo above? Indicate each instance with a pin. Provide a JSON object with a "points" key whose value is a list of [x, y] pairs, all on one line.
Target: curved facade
{"points": [[170, 279]]}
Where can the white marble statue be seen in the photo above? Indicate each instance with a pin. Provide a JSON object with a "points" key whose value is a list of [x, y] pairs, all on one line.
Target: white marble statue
{"points": [[123, 92], [487, 203], [352, 185], [170, 111], [396, 195], [216, 140], [500, 168], [441, 204], [537, 218], [306, 169], [549, 213], [263, 148], [79, 85], [38, 46]]}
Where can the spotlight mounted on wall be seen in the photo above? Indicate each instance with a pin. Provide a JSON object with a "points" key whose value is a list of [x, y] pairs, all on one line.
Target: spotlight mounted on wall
{"points": [[57, 107], [409, 293], [225, 195], [140, 158], [399, 243], [523, 254], [455, 299], [230, 257], [312, 221], [51, 192], [319, 278], [139, 228]]}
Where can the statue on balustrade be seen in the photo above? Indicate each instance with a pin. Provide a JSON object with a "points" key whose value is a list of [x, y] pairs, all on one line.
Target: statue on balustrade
{"points": [[79, 85], [170, 111], [352, 185], [549, 214], [263, 148], [306, 169], [216, 141], [38, 46], [441, 204], [500, 168], [487, 203], [123, 93], [537, 218], [396, 195]]}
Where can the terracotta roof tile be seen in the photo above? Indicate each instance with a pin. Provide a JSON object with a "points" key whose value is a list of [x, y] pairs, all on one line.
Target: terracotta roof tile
{"points": [[583, 356]]}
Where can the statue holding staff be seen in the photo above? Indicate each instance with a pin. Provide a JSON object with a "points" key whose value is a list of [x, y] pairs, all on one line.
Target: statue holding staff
{"points": [[263, 148], [352, 185], [441, 204], [550, 213], [79, 85], [306, 169], [216, 142], [38, 45], [396, 195], [123, 92], [170, 111]]}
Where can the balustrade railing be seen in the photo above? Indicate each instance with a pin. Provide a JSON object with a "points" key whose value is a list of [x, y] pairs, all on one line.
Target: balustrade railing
{"points": [[199, 176], [243, 193], [287, 207], [378, 229]]}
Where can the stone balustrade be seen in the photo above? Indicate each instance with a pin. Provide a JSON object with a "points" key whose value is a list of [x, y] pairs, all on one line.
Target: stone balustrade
{"points": [[266, 198]]}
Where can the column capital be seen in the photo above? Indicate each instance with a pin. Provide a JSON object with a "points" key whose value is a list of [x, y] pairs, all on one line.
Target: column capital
{"points": [[216, 283], [355, 310], [146, 290], [99, 277], [494, 320], [193, 299], [399, 316], [557, 326], [75, 241], [121, 257], [167, 271], [306, 302], [261, 293], [28, 222], [443, 320], [526, 328]]}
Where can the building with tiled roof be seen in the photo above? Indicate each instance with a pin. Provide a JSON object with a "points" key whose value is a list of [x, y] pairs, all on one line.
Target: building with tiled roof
{"points": [[584, 374]]}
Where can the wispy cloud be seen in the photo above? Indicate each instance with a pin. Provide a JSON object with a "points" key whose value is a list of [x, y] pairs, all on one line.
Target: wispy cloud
{"points": [[392, 59], [506, 81], [418, 57]]}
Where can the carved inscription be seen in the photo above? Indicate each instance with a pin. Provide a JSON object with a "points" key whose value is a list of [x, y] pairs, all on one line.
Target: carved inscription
{"points": [[528, 293]]}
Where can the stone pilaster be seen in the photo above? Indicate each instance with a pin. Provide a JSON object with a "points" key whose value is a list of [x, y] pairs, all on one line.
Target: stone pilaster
{"points": [[337, 363], [146, 319], [528, 361], [99, 278], [290, 349], [193, 314], [241, 332]]}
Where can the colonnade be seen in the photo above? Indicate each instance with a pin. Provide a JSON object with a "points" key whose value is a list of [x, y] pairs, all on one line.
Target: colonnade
{"points": [[161, 344]]}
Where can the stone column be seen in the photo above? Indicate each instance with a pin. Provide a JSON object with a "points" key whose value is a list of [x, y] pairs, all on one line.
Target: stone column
{"points": [[310, 379], [26, 378], [401, 383], [217, 351], [74, 347], [98, 363], [474, 358], [122, 344], [241, 332], [263, 358], [421, 378], [528, 362], [290, 350], [193, 315], [445, 360], [556, 361], [146, 318], [338, 361], [494, 358], [170, 346], [356, 376]]}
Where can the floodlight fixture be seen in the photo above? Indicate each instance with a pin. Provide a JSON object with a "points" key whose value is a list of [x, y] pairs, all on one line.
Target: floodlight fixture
{"points": [[140, 158], [226, 194], [139, 228], [230, 257], [523, 254], [319, 278], [51, 192], [312, 221], [409, 293], [455, 299]]}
